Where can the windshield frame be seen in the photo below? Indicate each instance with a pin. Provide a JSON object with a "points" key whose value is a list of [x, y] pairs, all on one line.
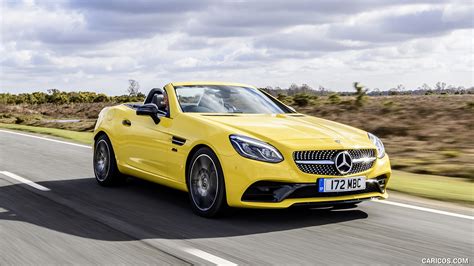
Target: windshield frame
{"points": [[284, 109]]}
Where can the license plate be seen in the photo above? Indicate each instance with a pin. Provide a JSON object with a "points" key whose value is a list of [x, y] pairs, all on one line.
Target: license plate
{"points": [[341, 184]]}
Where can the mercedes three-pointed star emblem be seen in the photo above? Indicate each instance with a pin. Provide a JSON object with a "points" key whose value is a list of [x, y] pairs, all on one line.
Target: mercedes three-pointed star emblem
{"points": [[343, 162]]}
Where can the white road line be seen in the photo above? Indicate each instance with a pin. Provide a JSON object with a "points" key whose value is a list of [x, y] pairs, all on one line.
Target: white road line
{"points": [[209, 257], [425, 209], [31, 183], [48, 139], [24, 181]]}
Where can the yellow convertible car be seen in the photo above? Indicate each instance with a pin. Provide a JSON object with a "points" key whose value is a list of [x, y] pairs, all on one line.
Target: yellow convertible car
{"points": [[229, 144]]}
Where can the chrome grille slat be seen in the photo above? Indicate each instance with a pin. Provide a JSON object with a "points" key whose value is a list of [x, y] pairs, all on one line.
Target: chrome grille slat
{"points": [[330, 169]]}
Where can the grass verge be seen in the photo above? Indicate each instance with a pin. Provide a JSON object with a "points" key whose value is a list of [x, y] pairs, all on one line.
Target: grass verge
{"points": [[81, 137], [437, 187], [442, 188]]}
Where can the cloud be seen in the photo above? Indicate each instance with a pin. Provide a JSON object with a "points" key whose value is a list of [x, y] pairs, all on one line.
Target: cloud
{"points": [[139, 6], [312, 40], [101, 44], [394, 27]]}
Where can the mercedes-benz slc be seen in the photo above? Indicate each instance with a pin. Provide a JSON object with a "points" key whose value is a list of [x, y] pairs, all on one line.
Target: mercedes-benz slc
{"points": [[233, 145]]}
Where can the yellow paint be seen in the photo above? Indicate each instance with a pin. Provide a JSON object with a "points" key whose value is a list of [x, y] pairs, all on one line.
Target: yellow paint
{"points": [[144, 149]]}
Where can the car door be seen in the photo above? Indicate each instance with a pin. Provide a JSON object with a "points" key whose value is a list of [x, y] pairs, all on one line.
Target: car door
{"points": [[148, 146]]}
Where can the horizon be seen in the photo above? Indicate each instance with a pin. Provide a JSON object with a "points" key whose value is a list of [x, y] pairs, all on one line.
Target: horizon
{"points": [[443, 87], [99, 46]]}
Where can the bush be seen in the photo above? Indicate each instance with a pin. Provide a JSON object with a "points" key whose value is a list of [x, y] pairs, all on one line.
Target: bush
{"points": [[361, 94], [301, 99], [281, 97], [388, 106], [334, 98], [19, 120], [55, 96], [39, 97], [101, 98]]}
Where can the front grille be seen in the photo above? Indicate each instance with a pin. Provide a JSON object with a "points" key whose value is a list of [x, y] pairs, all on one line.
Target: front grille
{"points": [[325, 161]]}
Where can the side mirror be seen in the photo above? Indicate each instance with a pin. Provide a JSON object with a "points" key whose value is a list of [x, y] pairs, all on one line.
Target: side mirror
{"points": [[149, 109], [291, 108]]}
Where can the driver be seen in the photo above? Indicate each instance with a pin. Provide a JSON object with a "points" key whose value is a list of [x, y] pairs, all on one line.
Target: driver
{"points": [[165, 101]]}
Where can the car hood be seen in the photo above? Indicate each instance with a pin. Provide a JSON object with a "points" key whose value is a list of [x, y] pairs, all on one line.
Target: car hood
{"points": [[293, 129]]}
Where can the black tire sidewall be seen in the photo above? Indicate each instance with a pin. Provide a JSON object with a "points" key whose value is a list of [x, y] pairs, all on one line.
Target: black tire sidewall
{"points": [[113, 176], [220, 204]]}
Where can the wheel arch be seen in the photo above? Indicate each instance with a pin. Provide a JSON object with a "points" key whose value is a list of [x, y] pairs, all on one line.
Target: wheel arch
{"points": [[100, 133]]}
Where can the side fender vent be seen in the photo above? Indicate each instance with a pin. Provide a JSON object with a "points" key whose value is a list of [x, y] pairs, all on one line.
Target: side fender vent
{"points": [[178, 141]]}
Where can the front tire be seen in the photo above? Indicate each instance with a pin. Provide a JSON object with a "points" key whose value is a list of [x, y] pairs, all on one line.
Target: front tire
{"points": [[105, 166], [206, 185]]}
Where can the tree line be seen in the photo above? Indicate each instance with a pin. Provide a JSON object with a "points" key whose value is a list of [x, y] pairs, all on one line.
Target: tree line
{"points": [[300, 95], [55, 96], [439, 88]]}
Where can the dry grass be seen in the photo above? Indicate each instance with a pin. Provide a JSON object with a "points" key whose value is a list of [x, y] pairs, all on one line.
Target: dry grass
{"points": [[430, 134], [43, 115]]}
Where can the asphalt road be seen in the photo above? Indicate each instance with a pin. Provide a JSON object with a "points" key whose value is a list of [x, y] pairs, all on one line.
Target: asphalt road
{"points": [[77, 221]]}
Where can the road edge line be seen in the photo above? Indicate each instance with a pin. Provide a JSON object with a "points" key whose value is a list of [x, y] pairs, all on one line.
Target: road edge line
{"points": [[403, 205], [24, 181], [48, 139], [208, 257]]}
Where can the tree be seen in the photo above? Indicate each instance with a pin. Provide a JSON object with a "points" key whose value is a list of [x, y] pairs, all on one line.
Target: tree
{"points": [[133, 88], [400, 87], [376, 92], [360, 94], [305, 88], [294, 89], [440, 86], [322, 90]]}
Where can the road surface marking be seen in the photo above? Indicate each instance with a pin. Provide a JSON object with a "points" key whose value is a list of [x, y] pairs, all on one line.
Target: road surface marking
{"points": [[31, 183], [48, 139], [425, 209], [25, 181], [209, 257]]}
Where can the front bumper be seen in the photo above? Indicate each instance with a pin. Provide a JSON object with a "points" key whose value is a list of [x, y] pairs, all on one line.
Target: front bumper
{"points": [[254, 184]]}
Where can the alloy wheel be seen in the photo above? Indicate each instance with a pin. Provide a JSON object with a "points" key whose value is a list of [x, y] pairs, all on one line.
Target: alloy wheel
{"points": [[204, 182], [101, 160]]}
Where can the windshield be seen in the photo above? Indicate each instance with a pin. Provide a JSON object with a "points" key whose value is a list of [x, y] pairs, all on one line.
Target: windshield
{"points": [[225, 99]]}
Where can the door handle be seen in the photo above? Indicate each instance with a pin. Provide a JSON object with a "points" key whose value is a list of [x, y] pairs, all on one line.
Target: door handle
{"points": [[126, 122]]}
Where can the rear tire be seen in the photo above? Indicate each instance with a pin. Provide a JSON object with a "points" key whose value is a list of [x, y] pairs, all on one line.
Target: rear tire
{"points": [[206, 185], [105, 165]]}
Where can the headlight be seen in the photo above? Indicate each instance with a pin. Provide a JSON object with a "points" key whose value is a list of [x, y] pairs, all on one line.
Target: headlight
{"points": [[255, 149], [378, 143]]}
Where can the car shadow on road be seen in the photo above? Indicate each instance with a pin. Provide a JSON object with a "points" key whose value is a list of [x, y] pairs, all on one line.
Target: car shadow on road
{"points": [[143, 210]]}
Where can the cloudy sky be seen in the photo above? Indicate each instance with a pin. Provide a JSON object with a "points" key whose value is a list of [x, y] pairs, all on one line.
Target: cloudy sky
{"points": [[99, 45]]}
